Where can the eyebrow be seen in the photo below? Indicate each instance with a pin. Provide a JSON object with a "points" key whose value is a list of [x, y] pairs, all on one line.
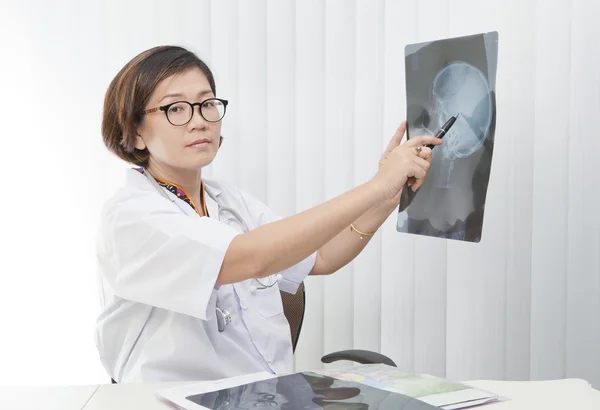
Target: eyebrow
{"points": [[178, 95]]}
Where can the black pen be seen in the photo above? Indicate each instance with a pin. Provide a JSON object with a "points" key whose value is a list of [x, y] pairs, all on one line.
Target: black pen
{"points": [[445, 128]]}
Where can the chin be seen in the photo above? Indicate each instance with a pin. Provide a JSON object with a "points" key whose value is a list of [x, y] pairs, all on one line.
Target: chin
{"points": [[201, 160]]}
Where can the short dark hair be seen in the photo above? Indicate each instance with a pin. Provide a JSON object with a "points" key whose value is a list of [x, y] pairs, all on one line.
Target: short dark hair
{"points": [[130, 90]]}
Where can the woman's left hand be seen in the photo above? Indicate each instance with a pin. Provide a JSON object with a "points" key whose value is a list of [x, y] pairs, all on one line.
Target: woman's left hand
{"points": [[394, 142]]}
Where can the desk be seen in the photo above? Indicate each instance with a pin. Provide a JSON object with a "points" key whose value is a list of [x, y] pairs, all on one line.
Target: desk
{"points": [[546, 395], [47, 398]]}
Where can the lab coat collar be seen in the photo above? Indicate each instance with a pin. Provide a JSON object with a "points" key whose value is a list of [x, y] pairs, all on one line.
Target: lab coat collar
{"points": [[212, 187], [212, 191], [137, 179]]}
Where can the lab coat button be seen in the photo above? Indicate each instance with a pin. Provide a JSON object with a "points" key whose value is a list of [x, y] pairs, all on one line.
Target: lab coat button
{"points": [[243, 303]]}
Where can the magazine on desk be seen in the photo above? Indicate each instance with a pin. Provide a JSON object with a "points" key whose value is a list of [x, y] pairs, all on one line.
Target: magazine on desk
{"points": [[361, 387], [439, 392]]}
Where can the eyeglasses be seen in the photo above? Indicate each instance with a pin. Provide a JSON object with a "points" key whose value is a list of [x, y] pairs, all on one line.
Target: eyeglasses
{"points": [[181, 112]]}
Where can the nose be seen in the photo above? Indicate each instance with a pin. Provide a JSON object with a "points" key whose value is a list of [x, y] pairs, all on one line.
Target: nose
{"points": [[197, 120]]}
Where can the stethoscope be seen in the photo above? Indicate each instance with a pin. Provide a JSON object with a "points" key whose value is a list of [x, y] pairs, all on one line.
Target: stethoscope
{"points": [[223, 316]]}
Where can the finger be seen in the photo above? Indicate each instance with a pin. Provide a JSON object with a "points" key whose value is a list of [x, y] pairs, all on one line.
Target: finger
{"points": [[422, 163], [425, 153], [423, 140], [419, 180], [397, 138], [415, 187], [422, 151], [418, 173], [399, 134]]}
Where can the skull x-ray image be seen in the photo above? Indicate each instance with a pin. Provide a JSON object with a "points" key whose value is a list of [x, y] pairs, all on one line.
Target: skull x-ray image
{"points": [[309, 391], [444, 78]]}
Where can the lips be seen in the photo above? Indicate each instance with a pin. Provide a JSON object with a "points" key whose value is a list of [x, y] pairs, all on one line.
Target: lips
{"points": [[201, 141]]}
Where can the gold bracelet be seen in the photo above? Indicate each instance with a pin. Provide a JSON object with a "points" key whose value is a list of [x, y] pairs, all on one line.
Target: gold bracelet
{"points": [[352, 228]]}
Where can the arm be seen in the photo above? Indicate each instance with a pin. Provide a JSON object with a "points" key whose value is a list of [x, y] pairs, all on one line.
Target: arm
{"points": [[276, 246], [151, 253], [346, 245], [279, 245]]}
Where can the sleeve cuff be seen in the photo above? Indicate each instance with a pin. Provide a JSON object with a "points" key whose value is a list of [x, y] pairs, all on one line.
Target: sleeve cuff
{"points": [[291, 278]]}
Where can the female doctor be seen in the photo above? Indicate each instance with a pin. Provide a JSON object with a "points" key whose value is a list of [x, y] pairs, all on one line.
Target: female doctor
{"points": [[191, 268]]}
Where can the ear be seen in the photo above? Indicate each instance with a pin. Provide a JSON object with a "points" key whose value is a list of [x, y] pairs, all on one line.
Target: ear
{"points": [[139, 142]]}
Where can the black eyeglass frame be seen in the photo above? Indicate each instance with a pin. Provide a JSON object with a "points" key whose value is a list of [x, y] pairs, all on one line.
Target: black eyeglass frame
{"points": [[165, 109]]}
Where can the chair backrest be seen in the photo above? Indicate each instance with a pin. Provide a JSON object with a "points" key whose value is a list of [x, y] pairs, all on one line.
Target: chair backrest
{"points": [[293, 308]]}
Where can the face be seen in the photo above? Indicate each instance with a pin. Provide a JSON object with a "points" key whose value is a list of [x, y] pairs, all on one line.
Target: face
{"points": [[186, 147]]}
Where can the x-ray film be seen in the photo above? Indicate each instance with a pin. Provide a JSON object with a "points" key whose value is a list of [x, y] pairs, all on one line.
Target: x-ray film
{"points": [[444, 78], [307, 390]]}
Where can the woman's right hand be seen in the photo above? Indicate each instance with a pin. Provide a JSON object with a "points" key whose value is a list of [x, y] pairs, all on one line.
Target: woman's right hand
{"points": [[405, 162]]}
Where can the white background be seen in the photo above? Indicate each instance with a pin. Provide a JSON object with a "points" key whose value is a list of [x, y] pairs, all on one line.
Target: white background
{"points": [[316, 90]]}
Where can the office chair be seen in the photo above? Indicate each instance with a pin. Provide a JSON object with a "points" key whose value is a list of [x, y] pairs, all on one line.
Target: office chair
{"points": [[294, 307]]}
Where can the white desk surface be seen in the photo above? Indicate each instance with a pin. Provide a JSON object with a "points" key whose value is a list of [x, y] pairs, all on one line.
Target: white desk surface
{"points": [[46, 398], [545, 395]]}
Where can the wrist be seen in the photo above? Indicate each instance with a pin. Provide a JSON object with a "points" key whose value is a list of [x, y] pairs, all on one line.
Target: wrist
{"points": [[378, 191], [388, 205], [383, 209]]}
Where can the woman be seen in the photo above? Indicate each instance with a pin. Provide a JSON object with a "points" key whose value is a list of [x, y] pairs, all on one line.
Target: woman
{"points": [[191, 268]]}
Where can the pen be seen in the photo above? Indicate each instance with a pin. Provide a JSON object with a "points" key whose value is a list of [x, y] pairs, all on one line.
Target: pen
{"points": [[445, 128]]}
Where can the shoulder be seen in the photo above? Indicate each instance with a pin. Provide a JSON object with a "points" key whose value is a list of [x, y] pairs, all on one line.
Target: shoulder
{"points": [[137, 196], [231, 196], [218, 186], [228, 192]]}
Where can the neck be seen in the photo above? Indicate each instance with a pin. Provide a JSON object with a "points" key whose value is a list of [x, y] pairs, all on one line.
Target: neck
{"points": [[187, 179]]}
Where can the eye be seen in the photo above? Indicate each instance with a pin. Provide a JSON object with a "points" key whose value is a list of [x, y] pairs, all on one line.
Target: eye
{"points": [[176, 109]]}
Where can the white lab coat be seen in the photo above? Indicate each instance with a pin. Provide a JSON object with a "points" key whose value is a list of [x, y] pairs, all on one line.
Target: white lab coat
{"points": [[158, 266]]}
